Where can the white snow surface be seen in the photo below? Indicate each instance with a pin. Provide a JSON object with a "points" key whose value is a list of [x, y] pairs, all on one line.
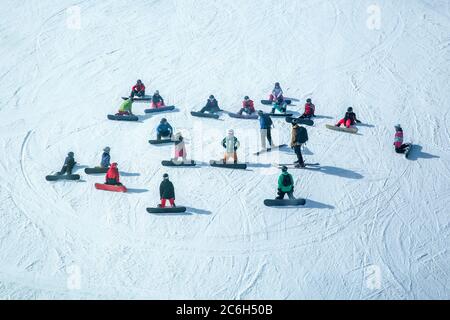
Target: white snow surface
{"points": [[376, 226]]}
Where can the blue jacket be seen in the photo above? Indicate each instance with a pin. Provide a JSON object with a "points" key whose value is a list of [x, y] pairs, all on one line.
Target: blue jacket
{"points": [[265, 122], [164, 127], [106, 159]]}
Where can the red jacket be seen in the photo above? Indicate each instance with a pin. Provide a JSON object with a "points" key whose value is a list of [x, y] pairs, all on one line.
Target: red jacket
{"points": [[249, 104], [113, 173], [310, 109], [138, 88]]}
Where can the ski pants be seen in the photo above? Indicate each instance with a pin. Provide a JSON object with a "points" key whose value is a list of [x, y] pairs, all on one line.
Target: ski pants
{"points": [[347, 123], [157, 105], [112, 182], [246, 110], [124, 113], [273, 98], [165, 134], [206, 109], [281, 195], [66, 169], [230, 155], [298, 152], [139, 94], [266, 134], [402, 149], [171, 201]]}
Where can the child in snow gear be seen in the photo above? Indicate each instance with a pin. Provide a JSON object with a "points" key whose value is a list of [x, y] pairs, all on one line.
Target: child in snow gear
{"points": [[157, 100], [112, 176], [349, 119], [248, 106], [299, 137], [69, 163], [180, 147], [400, 147], [310, 110], [166, 192], [265, 124], [277, 93], [164, 129], [138, 90], [106, 158], [125, 107], [231, 144], [279, 105], [285, 185], [212, 106]]}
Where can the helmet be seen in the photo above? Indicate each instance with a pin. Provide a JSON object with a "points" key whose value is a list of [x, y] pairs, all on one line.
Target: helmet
{"points": [[260, 112], [277, 84], [294, 122], [350, 109], [114, 165], [165, 176], [139, 82], [284, 169], [157, 92], [231, 132], [107, 149], [71, 154], [308, 100], [211, 97], [280, 100], [398, 127], [246, 98], [163, 120]]}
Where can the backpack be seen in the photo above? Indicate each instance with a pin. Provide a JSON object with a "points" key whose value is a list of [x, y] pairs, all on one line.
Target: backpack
{"points": [[268, 121], [302, 135], [287, 181]]}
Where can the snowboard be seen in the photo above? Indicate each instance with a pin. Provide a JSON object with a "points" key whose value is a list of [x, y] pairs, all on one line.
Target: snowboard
{"points": [[167, 210], [56, 177], [292, 165], [205, 115], [269, 103], [96, 170], [162, 141], [280, 115], [272, 148], [408, 150], [220, 164], [253, 116], [284, 203], [175, 163], [343, 129], [107, 187], [306, 122], [137, 99], [162, 109], [122, 118]]}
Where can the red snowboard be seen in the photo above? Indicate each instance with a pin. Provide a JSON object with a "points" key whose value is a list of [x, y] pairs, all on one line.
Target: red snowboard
{"points": [[107, 187]]}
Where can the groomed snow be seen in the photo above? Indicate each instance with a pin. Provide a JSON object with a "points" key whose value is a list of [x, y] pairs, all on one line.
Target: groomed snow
{"points": [[376, 226]]}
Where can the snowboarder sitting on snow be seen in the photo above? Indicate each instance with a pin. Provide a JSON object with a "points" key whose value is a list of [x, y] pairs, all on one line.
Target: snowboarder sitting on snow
{"points": [[285, 185], [164, 129], [231, 144], [112, 176], [310, 109], [349, 119], [279, 105], [166, 192], [69, 163], [180, 147], [277, 93], [138, 90], [265, 124], [157, 100], [106, 158], [248, 106], [125, 107], [299, 137], [212, 106], [400, 147]]}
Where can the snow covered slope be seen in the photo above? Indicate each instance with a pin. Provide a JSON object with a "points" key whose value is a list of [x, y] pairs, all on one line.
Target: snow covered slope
{"points": [[376, 226]]}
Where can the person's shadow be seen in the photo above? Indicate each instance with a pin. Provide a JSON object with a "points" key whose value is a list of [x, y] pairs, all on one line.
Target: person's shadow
{"points": [[317, 205], [137, 190], [417, 153], [128, 174], [340, 172]]}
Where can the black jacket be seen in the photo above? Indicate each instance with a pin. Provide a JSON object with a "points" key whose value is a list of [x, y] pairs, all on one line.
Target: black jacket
{"points": [[351, 116], [212, 105], [69, 162], [157, 99], [166, 190]]}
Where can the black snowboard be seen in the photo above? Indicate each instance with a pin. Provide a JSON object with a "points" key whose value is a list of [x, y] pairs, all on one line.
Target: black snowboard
{"points": [[284, 203], [163, 109], [122, 118], [280, 115], [62, 177], [271, 149], [162, 141], [220, 164], [315, 166], [269, 103], [167, 210], [97, 170], [306, 122], [172, 163], [205, 115], [137, 99], [408, 150]]}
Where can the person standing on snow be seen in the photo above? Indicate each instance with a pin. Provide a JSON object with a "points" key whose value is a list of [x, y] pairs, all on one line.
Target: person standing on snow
{"points": [[265, 125], [212, 106], [310, 110], [138, 90], [126, 107], [106, 158], [231, 144], [112, 176], [166, 192], [285, 185], [157, 100], [349, 119], [299, 137], [400, 147], [69, 163], [277, 93], [164, 129], [248, 106]]}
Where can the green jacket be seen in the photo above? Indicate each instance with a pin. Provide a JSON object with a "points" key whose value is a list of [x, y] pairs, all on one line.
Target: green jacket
{"points": [[126, 106], [283, 187]]}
